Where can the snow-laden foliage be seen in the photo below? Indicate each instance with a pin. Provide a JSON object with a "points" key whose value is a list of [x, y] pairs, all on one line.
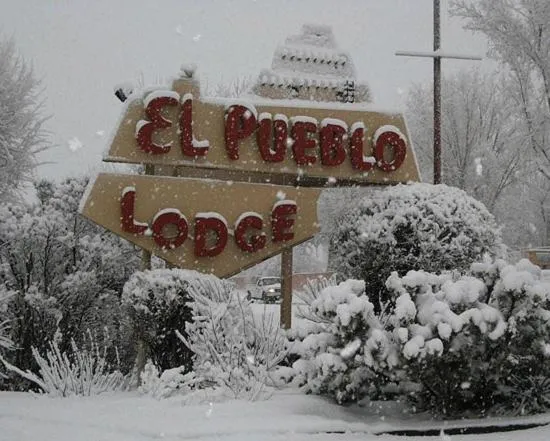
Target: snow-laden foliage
{"points": [[473, 343], [480, 133], [21, 132], [519, 40], [408, 227], [166, 384], [158, 304], [476, 342], [78, 372], [200, 334], [232, 350], [64, 274], [349, 356], [5, 341]]}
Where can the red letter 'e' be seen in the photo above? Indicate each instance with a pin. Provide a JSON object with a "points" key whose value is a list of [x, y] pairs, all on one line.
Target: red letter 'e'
{"points": [[300, 132], [280, 221]]}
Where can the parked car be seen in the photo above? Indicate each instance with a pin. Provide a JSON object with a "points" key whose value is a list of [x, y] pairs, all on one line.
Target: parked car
{"points": [[267, 289]]}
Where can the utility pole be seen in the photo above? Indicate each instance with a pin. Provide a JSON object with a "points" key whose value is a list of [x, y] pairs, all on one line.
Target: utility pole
{"points": [[437, 93], [437, 55]]}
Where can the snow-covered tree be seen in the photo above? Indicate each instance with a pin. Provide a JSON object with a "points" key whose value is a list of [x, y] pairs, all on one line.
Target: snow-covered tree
{"points": [[348, 355], [233, 349], [477, 343], [21, 122], [479, 134], [418, 226], [519, 36], [65, 275], [158, 304], [519, 39], [5, 341]]}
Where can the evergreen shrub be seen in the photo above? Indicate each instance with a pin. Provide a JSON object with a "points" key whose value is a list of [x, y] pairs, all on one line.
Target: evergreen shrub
{"points": [[411, 227]]}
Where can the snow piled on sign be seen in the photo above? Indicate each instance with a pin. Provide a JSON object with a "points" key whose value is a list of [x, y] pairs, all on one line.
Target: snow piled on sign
{"points": [[311, 66], [315, 42]]}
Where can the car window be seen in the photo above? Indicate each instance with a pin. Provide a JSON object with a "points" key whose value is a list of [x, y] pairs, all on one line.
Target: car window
{"points": [[269, 281]]}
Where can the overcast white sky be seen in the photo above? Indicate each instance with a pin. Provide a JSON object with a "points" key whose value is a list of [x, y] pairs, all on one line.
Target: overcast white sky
{"points": [[82, 48]]}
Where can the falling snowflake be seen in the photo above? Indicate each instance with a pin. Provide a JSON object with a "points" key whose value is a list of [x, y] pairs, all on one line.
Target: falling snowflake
{"points": [[210, 409], [100, 133], [197, 37], [281, 195], [75, 144], [479, 166]]}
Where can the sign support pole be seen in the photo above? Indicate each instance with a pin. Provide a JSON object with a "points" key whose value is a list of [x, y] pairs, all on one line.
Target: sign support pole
{"points": [[437, 55], [145, 254], [437, 93], [286, 288]]}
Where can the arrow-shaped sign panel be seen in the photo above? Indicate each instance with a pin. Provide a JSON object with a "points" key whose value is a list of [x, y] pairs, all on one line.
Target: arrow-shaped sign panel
{"points": [[261, 137], [211, 226]]}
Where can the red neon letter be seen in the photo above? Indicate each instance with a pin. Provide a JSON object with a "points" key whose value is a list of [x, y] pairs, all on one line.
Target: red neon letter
{"points": [[255, 242], [127, 221], [189, 146], [144, 135], [280, 134], [332, 144], [240, 122], [280, 221], [397, 144], [356, 150], [164, 218], [300, 132], [202, 226]]}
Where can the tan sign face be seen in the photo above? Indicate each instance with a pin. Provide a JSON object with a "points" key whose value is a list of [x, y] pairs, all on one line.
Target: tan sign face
{"points": [[265, 138], [210, 226]]}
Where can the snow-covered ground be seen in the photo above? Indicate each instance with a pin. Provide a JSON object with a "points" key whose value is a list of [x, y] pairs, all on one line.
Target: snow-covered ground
{"points": [[287, 415]]}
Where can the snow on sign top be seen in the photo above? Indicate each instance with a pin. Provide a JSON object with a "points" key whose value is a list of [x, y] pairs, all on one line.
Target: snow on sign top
{"points": [[312, 66], [301, 145]]}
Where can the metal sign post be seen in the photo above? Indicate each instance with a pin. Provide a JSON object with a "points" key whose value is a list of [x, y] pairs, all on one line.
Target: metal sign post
{"points": [[437, 55]]}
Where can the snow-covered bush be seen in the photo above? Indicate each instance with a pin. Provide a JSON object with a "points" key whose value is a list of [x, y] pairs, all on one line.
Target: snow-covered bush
{"points": [[166, 384], [81, 372], [65, 276], [411, 227], [157, 302], [5, 341], [477, 343], [232, 350], [350, 356]]}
